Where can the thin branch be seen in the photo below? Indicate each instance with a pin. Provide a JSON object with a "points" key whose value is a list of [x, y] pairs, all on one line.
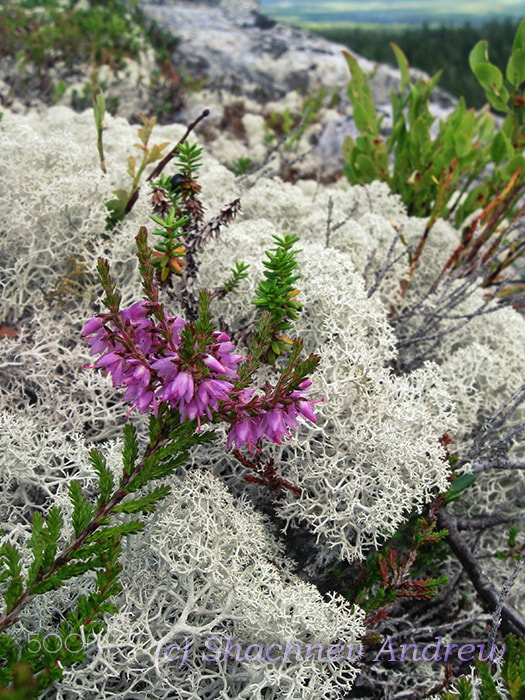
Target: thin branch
{"points": [[388, 263], [332, 228], [329, 221], [482, 522], [163, 163], [512, 620], [500, 463], [505, 591]]}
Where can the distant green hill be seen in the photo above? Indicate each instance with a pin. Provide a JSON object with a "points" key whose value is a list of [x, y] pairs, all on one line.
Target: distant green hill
{"points": [[390, 11]]}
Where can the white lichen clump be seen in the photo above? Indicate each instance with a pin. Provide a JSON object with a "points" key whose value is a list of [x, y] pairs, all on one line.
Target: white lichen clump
{"points": [[208, 563]]}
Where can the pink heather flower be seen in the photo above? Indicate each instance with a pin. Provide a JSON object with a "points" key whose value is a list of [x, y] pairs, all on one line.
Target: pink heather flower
{"points": [[140, 359], [135, 312], [271, 416], [166, 366], [244, 431], [94, 325], [305, 410], [182, 387], [214, 364], [100, 340]]}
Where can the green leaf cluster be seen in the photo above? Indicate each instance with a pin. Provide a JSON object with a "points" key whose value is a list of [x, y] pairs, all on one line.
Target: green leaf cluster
{"points": [[99, 527], [188, 160], [437, 175], [276, 293], [169, 251], [237, 273]]}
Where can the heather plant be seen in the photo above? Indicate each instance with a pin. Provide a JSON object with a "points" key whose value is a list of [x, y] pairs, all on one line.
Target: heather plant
{"points": [[93, 546], [185, 374], [179, 372]]}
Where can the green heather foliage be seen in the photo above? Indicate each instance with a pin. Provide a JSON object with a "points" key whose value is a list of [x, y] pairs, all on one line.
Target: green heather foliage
{"points": [[509, 683], [276, 293], [94, 546]]}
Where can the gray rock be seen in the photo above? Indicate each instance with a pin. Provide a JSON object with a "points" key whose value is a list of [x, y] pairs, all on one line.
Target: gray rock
{"points": [[236, 49], [244, 53]]}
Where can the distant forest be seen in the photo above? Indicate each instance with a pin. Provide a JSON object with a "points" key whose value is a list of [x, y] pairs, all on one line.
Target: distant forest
{"points": [[432, 48]]}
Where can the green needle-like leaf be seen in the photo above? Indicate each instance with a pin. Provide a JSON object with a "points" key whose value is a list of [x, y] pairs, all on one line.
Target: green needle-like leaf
{"points": [[82, 510], [131, 448]]}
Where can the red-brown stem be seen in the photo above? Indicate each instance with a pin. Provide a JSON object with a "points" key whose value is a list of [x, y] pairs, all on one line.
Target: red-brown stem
{"points": [[164, 162]]}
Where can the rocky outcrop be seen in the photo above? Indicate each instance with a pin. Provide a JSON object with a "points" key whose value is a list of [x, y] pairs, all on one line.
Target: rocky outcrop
{"points": [[236, 49], [242, 55]]}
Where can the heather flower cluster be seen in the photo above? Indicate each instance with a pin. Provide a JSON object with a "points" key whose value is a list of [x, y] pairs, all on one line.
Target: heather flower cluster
{"points": [[152, 363], [145, 359], [272, 416]]}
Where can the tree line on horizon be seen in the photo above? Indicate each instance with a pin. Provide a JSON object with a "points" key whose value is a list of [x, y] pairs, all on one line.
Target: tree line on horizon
{"points": [[432, 48]]}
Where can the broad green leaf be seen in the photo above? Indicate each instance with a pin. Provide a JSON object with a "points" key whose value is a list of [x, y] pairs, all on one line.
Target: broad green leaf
{"points": [[364, 119], [366, 168], [489, 76], [515, 71], [462, 144], [419, 137], [434, 80], [462, 482], [501, 148], [358, 77], [498, 101], [479, 54], [484, 125], [519, 37], [514, 163]]}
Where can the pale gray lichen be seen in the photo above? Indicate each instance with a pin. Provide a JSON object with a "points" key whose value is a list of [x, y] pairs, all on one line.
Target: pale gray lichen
{"points": [[373, 456]]}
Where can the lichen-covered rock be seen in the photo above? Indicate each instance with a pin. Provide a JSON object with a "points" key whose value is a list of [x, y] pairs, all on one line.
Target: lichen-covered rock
{"points": [[244, 53]]}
